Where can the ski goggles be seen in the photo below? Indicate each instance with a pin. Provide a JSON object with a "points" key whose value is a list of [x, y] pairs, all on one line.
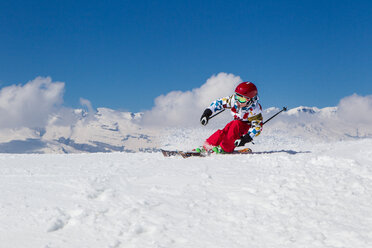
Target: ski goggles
{"points": [[241, 99]]}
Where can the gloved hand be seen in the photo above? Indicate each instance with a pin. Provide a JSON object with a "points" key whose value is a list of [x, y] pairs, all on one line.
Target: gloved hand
{"points": [[243, 140], [205, 117]]}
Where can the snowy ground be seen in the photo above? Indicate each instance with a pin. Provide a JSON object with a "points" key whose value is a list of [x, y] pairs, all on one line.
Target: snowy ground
{"points": [[288, 195]]}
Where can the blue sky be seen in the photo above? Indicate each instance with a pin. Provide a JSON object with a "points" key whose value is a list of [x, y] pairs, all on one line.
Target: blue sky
{"points": [[123, 54]]}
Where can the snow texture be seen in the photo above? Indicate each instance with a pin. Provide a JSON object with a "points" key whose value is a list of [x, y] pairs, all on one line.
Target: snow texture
{"points": [[289, 194]]}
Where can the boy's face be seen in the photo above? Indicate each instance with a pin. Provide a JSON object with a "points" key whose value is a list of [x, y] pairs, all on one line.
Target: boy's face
{"points": [[242, 105]]}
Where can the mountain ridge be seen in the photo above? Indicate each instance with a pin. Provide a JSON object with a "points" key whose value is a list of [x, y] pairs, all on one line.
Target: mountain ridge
{"points": [[109, 130]]}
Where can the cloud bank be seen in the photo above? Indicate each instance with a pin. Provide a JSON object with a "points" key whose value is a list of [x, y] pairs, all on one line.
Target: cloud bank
{"points": [[355, 113], [38, 105], [30, 105], [181, 109], [356, 109]]}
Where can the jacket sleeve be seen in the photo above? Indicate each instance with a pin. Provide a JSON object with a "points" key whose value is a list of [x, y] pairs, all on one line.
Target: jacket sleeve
{"points": [[220, 104], [256, 122]]}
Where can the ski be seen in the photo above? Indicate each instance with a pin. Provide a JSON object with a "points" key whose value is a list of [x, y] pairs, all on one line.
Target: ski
{"points": [[185, 154], [243, 151]]}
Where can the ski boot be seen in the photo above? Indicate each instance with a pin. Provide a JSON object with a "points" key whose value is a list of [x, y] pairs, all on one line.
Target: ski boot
{"points": [[218, 150], [200, 150]]}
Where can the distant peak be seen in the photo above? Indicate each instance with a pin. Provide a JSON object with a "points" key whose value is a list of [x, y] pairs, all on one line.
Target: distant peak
{"points": [[304, 109]]}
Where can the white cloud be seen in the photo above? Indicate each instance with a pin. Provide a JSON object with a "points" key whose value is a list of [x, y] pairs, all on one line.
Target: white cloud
{"points": [[356, 109], [179, 108], [31, 104], [87, 105], [355, 113]]}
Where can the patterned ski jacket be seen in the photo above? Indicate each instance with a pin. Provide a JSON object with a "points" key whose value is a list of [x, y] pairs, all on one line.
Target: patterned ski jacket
{"points": [[252, 115]]}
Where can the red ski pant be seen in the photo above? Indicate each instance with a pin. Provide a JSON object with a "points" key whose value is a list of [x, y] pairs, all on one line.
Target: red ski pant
{"points": [[227, 136]]}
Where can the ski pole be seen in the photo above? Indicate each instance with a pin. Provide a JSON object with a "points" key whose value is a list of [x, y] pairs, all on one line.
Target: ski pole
{"points": [[283, 109], [216, 114]]}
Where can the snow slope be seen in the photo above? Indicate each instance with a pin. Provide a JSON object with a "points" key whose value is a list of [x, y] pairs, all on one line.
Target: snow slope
{"points": [[290, 193]]}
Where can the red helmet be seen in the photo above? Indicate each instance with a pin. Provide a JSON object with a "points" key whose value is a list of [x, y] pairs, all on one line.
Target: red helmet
{"points": [[247, 89]]}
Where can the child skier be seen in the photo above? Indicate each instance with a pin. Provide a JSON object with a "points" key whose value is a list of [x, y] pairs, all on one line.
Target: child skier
{"points": [[247, 123]]}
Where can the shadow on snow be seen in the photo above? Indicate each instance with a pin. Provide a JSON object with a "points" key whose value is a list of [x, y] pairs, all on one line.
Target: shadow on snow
{"points": [[291, 152]]}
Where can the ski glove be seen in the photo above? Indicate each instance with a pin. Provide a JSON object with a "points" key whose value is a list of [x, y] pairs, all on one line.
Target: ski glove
{"points": [[243, 140], [205, 117]]}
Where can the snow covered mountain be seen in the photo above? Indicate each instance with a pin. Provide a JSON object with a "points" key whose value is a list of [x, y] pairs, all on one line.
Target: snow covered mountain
{"points": [[109, 130], [105, 131]]}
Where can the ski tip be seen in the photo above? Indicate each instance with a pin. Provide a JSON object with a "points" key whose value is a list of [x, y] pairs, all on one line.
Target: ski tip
{"points": [[244, 151], [184, 154]]}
